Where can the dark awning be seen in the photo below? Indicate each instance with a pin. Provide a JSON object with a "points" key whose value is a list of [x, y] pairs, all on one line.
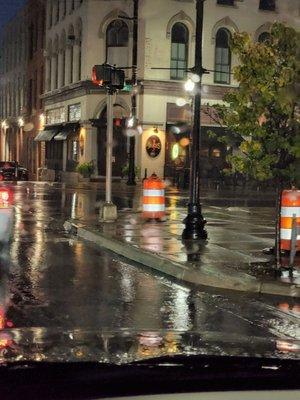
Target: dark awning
{"points": [[66, 130], [46, 135]]}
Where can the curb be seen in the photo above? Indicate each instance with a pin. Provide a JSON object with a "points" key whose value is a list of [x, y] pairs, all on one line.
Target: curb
{"points": [[210, 276]]}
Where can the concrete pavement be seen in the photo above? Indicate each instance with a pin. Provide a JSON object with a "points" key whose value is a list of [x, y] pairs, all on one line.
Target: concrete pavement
{"points": [[227, 260], [65, 299]]}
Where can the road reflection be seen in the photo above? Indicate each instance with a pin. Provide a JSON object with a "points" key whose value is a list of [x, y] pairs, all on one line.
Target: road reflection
{"points": [[70, 301]]}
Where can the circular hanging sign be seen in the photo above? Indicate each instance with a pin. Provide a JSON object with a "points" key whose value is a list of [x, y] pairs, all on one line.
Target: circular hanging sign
{"points": [[153, 146]]}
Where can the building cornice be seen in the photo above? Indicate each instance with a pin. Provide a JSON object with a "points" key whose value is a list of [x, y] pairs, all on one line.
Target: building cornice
{"points": [[171, 88], [163, 88]]}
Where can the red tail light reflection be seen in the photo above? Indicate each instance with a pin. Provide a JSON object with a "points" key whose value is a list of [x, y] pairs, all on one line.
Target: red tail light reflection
{"points": [[5, 197]]}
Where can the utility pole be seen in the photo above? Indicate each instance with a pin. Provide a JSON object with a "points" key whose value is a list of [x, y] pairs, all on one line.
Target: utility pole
{"points": [[131, 160], [194, 222]]}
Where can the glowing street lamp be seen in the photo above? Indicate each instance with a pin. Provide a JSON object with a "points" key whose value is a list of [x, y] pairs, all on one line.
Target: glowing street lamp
{"points": [[189, 85]]}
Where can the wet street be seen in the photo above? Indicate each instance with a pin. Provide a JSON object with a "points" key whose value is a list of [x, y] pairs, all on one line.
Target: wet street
{"points": [[57, 284]]}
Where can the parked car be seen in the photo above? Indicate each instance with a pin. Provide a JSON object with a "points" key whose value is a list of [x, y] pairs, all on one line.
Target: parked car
{"points": [[12, 171]]}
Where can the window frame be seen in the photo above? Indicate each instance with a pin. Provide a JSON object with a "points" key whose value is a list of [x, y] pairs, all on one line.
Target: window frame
{"points": [[264, 6], [175, 73], [220, 81], [229, 3]]}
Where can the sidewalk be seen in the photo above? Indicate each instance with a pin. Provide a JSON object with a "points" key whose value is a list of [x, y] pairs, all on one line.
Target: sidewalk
{"points": [[236, 238]]}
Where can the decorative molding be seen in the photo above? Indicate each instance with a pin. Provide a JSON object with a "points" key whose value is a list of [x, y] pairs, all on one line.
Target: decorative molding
{"points": [[115, 14], [263, 28], [182, 17], [171, 88], [223, 23], [118, 102]]}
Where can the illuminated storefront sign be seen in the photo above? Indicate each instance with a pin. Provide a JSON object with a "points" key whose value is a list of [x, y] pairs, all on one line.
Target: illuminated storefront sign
{"points": [[153, 146]]}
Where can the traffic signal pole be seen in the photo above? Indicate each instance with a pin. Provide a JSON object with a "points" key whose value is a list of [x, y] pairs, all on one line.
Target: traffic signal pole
{"points": [[108, 210], [112, 79], [131, 158], [109, 146], [194, 222]]}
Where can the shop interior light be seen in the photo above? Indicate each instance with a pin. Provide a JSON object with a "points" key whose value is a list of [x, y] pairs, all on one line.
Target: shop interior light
{"points": [[181, 102], [175, 151], [130, 122], [21, 122], [4, 124]]}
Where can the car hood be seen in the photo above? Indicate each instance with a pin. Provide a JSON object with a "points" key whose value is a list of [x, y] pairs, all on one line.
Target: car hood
{"points": [[127, 346]]}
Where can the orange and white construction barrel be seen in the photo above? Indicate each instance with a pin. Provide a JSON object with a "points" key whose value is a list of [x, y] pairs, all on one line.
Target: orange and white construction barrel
{"points": [[290, 210], [154, 198]]}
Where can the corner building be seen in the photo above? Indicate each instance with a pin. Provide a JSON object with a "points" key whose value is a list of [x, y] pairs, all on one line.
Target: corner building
{"points": [[80, 34]]}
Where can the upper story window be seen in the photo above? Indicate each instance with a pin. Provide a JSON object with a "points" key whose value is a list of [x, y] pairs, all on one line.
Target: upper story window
{"points": [[226, 2], [50, 9], [31, 40], [72, 5], [117, 36], [268, 5], [57, 4], [179, 51], [222, 57], [264, 37], [64, 8]]}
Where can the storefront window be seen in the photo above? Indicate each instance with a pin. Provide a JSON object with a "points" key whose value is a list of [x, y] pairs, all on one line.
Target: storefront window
{"points": [[74, 112], [75, 150], [216, 153]]}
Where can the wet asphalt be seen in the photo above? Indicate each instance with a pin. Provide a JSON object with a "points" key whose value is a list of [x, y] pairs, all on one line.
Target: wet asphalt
{"points": [[53, 281]]}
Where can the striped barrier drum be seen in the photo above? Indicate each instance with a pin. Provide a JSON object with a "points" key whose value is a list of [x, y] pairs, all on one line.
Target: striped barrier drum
{"points": [[289, 215], [154, 198]]}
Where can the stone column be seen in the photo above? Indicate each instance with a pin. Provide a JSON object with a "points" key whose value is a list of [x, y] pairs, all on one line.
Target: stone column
{"points": [[91, 146], [65, 155]]}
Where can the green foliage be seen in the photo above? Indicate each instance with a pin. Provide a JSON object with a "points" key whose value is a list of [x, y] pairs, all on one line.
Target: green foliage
{"points": [[262, 112], [125, 170], [86, 169]]}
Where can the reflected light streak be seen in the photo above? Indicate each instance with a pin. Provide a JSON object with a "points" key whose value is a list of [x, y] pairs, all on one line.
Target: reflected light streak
{"points": [[73, 205]]}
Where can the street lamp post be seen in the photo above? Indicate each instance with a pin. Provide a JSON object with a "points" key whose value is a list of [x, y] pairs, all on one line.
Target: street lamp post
{"points": [[194, 222], [131, 161]]}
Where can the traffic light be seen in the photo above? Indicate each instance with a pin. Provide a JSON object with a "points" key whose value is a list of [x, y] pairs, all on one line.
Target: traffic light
{"points": [[108, 76]]}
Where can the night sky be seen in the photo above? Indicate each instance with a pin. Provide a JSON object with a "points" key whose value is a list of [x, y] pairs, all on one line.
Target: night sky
{"points": [[8, 9]]}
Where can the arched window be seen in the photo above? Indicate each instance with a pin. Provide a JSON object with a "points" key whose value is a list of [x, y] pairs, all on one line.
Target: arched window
{"points": [[179, 51], [56, 71], [63, 58], [79, 52], [57, 11], [50, 9], [117, 35], [264, 37], [64, 8], [222, 57], [70, 62], [267, 5]]}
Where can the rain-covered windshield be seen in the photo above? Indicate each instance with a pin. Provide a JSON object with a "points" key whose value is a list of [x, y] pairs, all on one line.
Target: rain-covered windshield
{"points": [[158, 210]]}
